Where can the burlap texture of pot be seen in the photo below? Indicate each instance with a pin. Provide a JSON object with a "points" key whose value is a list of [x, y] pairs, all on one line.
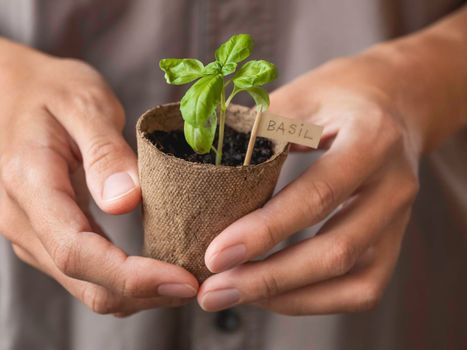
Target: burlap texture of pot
{"points": [[186, 204]]}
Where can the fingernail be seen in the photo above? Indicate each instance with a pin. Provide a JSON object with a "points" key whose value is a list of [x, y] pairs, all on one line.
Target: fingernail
{"points": [[176, 290], [220, 299], [227, 258], [117, 185]]}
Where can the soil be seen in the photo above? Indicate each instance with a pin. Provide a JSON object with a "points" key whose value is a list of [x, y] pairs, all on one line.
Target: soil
{"points": [[233, 152]]}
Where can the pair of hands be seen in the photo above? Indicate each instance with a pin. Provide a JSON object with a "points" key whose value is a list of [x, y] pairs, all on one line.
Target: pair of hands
{"points": [[58, 114]]}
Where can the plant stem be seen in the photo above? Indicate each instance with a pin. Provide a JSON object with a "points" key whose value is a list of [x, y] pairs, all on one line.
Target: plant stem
{"points": [[232, 94], [220, 141]]}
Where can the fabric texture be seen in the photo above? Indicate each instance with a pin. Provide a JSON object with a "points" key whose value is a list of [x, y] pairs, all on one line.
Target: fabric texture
{"points": [[186, 204]]}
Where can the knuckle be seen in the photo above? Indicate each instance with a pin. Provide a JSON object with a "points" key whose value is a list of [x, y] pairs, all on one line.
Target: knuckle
{"points": [[270, 285], [89, 98], [368, 299], [391, 135], [101, 153], [97, 300], [342, 258], [320, 199], [131, 287], [395, 132], [96, 102], [11, 171], [394, 135], [409, 190], [388, 133], [66, 259], [268, 234], [405, 191], [22, 168]]}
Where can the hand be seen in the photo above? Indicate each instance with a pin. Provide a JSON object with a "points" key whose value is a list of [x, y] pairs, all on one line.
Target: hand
{"points": [[368, 174], [380, 110], [57, 114]]}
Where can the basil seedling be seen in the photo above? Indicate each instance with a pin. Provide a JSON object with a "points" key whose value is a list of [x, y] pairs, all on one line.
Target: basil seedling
{"points": [[204, 105]]}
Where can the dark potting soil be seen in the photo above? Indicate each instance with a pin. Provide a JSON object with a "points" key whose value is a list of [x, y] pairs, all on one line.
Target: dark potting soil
{"points": [[233, 151]]}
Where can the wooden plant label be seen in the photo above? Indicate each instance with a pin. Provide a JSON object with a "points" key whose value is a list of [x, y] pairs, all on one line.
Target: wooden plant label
{"points": [[279, 128]]}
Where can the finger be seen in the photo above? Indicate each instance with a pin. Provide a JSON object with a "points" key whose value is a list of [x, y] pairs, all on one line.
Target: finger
{"points": [[131, 306], [302, 203], [100, 300], [43, 190], [10, 225], [94, 119], [360, 290], [297, 101], [25, 256], [96, 298], [331, 253]]}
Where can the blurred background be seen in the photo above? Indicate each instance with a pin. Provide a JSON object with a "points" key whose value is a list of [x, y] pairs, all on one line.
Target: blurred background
{"points": [[425, 305]]}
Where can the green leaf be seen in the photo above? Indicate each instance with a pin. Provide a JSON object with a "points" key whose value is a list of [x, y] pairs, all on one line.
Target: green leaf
{"points": [[255, 73], [200, 101], [179, 71], [260, 96], [201, 138], [235, 50], [229, 68], [213, 68]]}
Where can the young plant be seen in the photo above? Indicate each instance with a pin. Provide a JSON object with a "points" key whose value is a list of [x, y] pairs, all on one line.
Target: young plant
{"points": [[204, 105]]}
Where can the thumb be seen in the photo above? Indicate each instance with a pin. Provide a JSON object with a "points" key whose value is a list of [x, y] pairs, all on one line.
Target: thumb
{"points": [[109, 162], [111, 170]]}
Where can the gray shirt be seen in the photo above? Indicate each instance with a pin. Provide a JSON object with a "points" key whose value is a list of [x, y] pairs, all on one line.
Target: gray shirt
{"points": [[422, 308]]}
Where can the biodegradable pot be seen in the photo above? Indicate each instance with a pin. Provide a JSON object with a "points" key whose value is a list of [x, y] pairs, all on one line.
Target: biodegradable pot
{"points": [[186, 204]]}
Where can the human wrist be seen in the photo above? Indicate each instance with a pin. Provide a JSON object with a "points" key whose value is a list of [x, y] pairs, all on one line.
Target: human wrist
{"points": [[397, 75], [425, 77]]}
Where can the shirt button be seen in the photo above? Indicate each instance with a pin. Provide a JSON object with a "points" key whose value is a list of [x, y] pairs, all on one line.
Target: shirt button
{"points": [[228, 320]]}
